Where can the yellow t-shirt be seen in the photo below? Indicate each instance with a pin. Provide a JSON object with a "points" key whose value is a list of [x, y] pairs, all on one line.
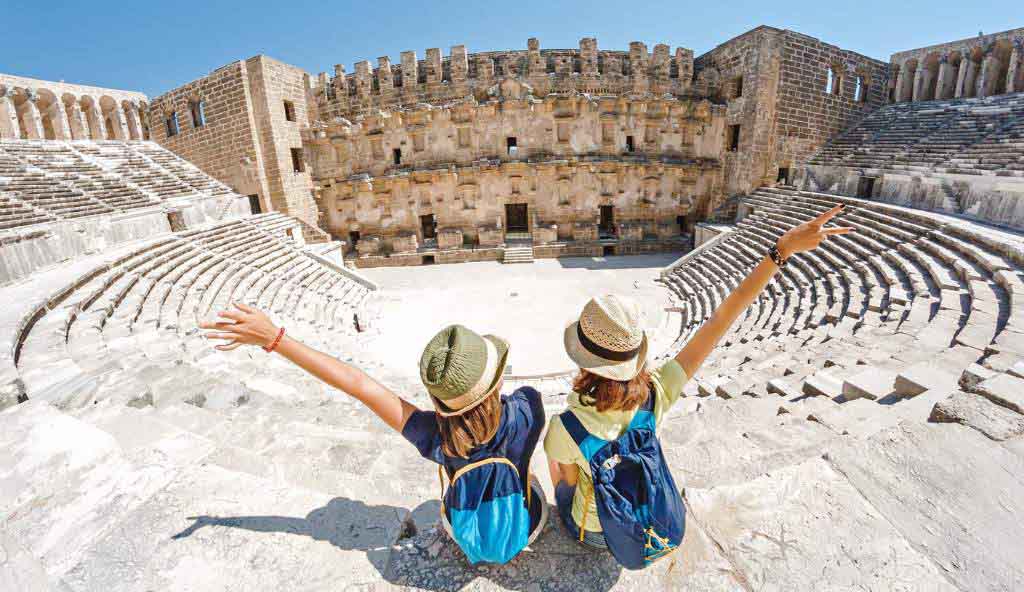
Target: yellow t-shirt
{"points": [[559, 446]]}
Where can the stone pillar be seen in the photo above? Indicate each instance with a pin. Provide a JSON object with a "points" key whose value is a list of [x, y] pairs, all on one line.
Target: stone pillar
{"points": [[134, 125], [901, 75], [485, 70], [30, 116], [384, 79], [59, 120], [588, 57], [459, 63], [9, 127], [363, 84], [535, 66], [434, 72], [339, 83], [945, 79], [638, 65], [918, 89], [1015, 66], [410, 72], [660, 67], [97, 126], [989, 69], [971, 79], [961, 77], [117, 119], [76, 121]]}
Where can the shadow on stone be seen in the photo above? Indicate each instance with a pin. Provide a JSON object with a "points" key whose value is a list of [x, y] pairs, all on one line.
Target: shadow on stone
{"points": [[411, 548]]}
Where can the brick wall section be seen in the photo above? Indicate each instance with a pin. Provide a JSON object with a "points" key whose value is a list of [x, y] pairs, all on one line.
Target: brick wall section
{"points": [[783, 112], [807, 116], [271, 84], [225, 147]]}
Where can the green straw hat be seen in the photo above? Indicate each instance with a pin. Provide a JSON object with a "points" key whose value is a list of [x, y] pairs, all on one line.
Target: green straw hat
{"points": [[460, 368]]}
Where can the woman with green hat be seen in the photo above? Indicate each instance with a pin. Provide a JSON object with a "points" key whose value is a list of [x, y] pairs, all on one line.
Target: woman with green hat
{"points": [[481, 440]]}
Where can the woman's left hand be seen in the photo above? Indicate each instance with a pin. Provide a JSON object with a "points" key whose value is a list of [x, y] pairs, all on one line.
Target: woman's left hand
{"points": [[809, 235], [245, 326]]}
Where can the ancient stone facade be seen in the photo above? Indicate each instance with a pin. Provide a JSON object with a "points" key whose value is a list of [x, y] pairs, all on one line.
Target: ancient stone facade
{"points": [[980, 66], [786, 94], [580, 148], [242, 124], [33, 109]]}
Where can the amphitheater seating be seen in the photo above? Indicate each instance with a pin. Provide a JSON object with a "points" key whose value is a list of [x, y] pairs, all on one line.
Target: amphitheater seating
{"points": [[907, 301], [45, 181], [966, 136]]}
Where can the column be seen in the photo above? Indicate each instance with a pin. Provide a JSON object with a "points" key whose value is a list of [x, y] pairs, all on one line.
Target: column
{"points": [[134, 126], [1015, 66], [961, 76], [900, 80], [944, 78], [9, 126], [918, 83], [59, 120], [76, 121], [30, 116], [97, 126], [118, 121], [989, 67]]}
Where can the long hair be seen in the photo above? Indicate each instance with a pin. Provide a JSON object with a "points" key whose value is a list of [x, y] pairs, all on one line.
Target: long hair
{"points": [[612, 395], [460, 434]]}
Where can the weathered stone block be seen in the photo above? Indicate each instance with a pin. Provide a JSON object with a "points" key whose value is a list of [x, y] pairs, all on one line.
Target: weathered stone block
{"points": [[489, 236], [449, 238], [368, 245], [404, 243]]}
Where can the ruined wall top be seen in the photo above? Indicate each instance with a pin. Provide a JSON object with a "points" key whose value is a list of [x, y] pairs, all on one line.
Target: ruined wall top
{"points": [[437, 78]]}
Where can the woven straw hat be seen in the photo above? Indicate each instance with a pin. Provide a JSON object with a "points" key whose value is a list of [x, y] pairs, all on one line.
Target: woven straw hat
{"points": [[460, 368], [608, 339]]}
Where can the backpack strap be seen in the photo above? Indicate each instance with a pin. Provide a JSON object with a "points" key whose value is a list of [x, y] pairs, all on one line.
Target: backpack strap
{"points": [[470, 467], [572, 425]]}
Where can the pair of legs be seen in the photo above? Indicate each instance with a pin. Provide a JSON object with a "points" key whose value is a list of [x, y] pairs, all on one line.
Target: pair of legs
{"points": [[564, 477]]}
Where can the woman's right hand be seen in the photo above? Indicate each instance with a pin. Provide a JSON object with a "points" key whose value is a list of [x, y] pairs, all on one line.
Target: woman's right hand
{"points": [[245, 326], [809, 235]]}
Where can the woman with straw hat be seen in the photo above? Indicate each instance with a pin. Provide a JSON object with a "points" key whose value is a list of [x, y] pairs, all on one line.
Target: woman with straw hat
{"points": [[609, 345], [472, 424]]}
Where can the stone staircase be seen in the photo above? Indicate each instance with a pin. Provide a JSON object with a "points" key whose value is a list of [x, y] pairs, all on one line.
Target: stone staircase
{"points": [[518, 252]]}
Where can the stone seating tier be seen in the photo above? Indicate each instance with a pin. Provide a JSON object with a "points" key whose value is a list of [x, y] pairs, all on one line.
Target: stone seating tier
{"points": [[45, 181], [965, 136]]}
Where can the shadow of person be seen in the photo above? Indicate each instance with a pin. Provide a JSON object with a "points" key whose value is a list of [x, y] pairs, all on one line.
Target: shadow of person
{"points": [[409, 548], [345, 523]]}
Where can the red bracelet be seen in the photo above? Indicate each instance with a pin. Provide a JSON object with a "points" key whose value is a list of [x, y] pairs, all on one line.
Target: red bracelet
{"points": [[277, 340]]}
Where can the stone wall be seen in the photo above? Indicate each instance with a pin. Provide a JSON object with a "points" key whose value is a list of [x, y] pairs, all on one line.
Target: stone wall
{"points": [[438, 79], [995, 200], [246, 140], [776, 86], [226, 146]]}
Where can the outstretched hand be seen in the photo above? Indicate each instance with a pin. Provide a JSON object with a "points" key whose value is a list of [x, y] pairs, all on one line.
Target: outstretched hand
{"points": [[244, 326], [809, 235]]}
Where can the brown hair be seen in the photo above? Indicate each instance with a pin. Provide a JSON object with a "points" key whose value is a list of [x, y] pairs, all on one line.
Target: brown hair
{"points": [[460, 434], [612, 395]]}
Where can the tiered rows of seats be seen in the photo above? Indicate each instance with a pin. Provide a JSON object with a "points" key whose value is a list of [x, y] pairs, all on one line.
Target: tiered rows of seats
{"points": [[43, 181], [903, 306], [969, 136], [61, 162]]}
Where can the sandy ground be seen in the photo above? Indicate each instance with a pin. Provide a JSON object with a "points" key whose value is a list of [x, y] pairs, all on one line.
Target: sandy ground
{"points": [[527, 304]]}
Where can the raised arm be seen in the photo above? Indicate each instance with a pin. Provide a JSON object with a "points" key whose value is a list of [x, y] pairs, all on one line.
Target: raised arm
{"points": [[249, 326], [798, 239]]}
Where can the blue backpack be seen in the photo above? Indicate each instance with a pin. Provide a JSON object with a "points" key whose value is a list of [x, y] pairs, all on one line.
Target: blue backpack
{"points": [[638, 504], [487, 509]]}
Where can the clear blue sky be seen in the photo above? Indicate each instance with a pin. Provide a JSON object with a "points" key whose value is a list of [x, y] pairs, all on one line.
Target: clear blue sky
{"points": [[154, 46]]}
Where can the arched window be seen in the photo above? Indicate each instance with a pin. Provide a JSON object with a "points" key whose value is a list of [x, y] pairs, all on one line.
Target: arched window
{"points": [[860, 91], [198, 108], [829, 82]]}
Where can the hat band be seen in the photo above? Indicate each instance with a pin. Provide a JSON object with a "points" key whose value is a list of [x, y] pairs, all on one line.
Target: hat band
{"points": [[603, 352]]}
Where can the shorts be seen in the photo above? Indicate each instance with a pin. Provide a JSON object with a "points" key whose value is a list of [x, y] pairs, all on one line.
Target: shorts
{"points": [[564, 494]]}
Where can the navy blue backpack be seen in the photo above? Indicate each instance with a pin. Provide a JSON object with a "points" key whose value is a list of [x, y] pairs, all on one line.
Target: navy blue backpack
{"points": [[638, 504]]}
